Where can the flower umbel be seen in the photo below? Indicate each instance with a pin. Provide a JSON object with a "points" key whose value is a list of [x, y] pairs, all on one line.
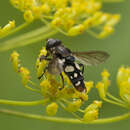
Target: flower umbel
{"points": [[68, 98], [69, 17], [123, 82]]}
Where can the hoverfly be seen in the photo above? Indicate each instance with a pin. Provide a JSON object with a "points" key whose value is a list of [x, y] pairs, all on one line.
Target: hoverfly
{"points": [[63, 60]]}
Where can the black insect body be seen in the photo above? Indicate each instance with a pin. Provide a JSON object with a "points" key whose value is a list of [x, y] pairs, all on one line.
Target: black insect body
{"points": [[63, 60], [74, 73]]}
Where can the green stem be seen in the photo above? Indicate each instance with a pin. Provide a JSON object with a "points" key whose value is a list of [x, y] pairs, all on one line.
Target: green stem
{"points": [[34, 85], [32, 89], [57, 28], [28, 38], [64, 120], [114, 98], [92, 33], [23, 103], [15, 30], [116, 103], [112, 1]]}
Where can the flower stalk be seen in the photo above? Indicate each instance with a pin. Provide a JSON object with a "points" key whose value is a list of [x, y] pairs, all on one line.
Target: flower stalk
{"points": [[23, 103], [27, 38], [63, 120]]}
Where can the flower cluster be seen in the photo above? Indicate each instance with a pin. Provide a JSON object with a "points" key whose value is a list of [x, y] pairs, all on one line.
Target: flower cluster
{"points": [[71, 17], [123, 80], [24, 72], [7, 28], [103, 85], [68, 98]]}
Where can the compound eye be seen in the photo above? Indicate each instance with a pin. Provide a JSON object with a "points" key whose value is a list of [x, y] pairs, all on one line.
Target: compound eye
{"points": [[50, 43], [57, 42]]}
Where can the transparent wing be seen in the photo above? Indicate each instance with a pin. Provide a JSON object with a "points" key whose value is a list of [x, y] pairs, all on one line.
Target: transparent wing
{"points": [[91, 57]]}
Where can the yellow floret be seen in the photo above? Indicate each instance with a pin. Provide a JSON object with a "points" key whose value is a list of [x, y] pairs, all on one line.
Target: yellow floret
{"points": [[51, 109]]}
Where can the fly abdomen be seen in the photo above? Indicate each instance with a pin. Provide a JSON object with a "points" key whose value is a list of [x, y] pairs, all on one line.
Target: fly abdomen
{"points": [[72, 70]]}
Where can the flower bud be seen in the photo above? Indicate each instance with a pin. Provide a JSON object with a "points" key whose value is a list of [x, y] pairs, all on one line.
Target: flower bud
{"points": [[89, 85], [90, 116], [28, 16], [56, 22], [25, 74], [7, 27], [74, 106], [94, 106], [40, 65], [78, 29], [15, 61], [123, 80], [107, 31], [101, 90], [51, 109]]}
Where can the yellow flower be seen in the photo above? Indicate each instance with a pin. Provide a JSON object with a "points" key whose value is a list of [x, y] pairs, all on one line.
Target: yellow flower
{"points": [[15, 61], [94, 106], [7, 28], [91, 112], [51, 109], [103, 85], [123, 80], [101, 90], [74, 106], [28, 16], [90, 116], [25, 74], [78, 29], [40, 65], [73, 17], [89, 85]]}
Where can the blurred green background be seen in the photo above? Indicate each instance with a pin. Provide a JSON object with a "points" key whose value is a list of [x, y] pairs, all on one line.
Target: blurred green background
{"points": [[117, 45]]}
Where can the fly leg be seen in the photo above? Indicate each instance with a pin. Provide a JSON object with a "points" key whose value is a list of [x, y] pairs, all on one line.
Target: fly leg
{"points": [[42, 57], [81, 65], [62, 81], [43, 72]]}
